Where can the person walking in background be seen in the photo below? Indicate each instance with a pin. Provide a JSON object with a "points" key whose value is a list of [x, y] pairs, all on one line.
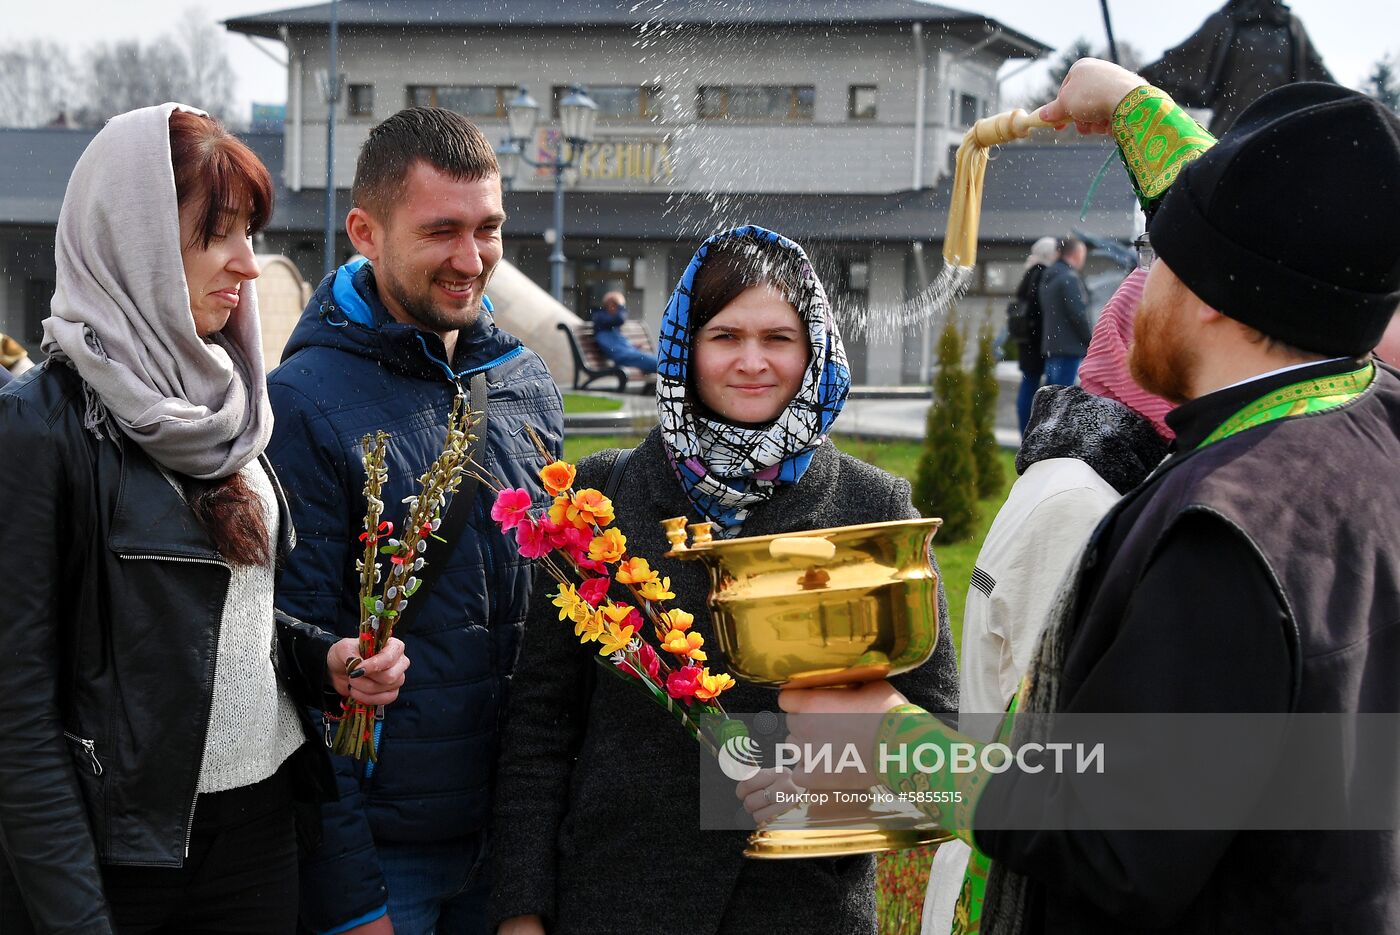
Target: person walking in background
{"points": [[156, 741], [387, 344], [1025, 326], [607, 331], [1064, 306]]}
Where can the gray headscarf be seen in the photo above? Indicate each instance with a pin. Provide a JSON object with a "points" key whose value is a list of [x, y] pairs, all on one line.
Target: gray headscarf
{"points": [[121, 311]]}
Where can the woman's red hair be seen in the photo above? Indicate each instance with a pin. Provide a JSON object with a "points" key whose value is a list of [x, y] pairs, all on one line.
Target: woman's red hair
{"points": [[217, 171]]}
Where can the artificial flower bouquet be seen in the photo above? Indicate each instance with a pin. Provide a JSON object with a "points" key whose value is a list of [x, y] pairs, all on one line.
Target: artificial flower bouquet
{"points": [[575, 542], [384, 598]]}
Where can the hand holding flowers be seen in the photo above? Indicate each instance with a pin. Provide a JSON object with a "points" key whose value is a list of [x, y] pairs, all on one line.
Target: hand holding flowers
{"points": [[575, 541]]}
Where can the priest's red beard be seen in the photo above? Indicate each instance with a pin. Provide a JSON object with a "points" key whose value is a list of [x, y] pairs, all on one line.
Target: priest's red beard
{"points": [[1161, 359]]}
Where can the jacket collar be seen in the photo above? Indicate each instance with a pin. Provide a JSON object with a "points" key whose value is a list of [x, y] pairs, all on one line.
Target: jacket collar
{"points": [[152, 517], [776, 514], [346, 313], [1118, 443]]}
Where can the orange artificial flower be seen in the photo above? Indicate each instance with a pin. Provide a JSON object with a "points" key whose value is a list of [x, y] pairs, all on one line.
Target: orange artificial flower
{"points": [[635, 571], [609, 547], [588, 507], [559, 511], [677, 619], [710, 686], [655, 590], [558, 476], [685, 645]]}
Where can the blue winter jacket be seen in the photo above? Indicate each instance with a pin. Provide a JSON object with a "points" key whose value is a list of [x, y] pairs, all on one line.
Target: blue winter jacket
{"points": [[350, 369]]}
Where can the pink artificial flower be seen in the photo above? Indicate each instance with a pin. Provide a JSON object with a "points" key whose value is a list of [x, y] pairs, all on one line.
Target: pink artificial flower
{"points": [[649, 660], [647, 656], [594, 590], [512, 508], [531, 539], [578, 551], [682, 683]]}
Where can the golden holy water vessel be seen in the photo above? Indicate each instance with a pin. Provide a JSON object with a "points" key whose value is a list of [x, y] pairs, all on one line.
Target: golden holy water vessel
{"points": [[824, 608]]}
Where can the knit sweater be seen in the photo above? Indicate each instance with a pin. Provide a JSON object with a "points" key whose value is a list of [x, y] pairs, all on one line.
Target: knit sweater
{"points": [[253, 724]]}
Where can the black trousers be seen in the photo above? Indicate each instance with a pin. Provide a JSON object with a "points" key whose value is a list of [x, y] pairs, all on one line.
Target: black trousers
{"points": [[240, 877]]}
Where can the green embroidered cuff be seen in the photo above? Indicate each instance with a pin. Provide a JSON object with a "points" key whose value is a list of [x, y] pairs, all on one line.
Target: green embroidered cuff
{"points": [[1156, 138], [932, 767]]}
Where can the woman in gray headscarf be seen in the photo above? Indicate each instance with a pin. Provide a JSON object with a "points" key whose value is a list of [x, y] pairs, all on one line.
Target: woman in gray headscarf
{"points": [[155, 743]]}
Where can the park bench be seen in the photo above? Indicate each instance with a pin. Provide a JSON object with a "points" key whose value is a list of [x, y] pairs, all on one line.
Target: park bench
{"points": [[590, 363]]}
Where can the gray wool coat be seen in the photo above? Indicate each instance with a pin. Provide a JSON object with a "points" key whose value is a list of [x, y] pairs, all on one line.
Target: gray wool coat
{"points": [[596, 826]]}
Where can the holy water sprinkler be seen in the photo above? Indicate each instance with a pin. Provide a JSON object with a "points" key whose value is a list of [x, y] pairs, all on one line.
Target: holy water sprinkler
{"points": [[960, 239]]}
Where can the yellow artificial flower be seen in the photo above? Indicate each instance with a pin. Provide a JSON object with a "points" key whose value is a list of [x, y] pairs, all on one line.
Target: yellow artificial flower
{"points": [[686, 645], [711, 685], [635, 571], [581, 612], [558, 476], [677, 619], [614, 639], [566, 599], [614, 612], [588, 507], [655, 590], [591, 628], [609, 547]]}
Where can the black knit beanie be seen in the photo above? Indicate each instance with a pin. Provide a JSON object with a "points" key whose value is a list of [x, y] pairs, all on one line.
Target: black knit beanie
{"points": [[1291, 223]]}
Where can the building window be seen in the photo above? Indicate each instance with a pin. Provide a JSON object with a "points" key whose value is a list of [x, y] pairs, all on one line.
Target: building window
{"points": [[617, 102], [861, 103], [757, 102], [967, 110], [361, 100], [471, 99]]}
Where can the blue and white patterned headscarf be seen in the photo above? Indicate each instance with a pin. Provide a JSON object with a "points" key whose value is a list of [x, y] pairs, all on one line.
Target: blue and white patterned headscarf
{"points": [[728, 469]]}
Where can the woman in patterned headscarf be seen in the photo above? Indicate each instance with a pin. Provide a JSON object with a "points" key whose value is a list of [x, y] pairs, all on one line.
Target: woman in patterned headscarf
{"points": [[597, 784]]}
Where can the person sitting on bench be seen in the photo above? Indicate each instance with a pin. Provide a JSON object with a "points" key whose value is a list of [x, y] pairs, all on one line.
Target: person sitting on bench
{"points": [[607, 331]]}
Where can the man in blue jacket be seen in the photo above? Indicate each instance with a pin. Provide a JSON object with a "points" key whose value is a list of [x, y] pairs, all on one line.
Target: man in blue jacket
{"points": [[388, 343], [1064, 308]]}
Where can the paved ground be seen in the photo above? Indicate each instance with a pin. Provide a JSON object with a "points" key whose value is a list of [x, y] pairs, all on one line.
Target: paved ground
{"points": [[868, 416]]}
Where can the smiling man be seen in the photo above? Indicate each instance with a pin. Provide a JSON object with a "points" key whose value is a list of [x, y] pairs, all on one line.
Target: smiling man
{"points": [[387, 343]]}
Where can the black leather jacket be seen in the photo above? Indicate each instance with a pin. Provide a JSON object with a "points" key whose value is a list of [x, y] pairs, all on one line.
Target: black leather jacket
{"points": [[113, 596]]}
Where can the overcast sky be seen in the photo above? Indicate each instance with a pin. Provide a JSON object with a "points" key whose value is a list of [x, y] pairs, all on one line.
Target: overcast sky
{"points": [[1351, 34]]}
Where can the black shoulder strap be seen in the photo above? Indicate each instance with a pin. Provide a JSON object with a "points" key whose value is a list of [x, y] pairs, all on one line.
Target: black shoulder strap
{"points": [[454, 520], [619, 466]]}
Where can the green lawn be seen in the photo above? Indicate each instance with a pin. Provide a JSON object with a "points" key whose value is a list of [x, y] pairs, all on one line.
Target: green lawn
{"points": [[584, 402], [901, 876]]}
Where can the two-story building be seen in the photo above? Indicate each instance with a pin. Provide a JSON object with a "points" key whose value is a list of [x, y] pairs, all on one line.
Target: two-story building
{"points": [[832, 121]]}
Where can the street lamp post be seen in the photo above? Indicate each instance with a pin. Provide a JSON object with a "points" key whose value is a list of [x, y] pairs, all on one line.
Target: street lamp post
{"points": [[577, 114], [332, 87]]}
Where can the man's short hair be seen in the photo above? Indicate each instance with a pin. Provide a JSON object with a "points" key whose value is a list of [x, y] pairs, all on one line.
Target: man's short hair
{"points": [[443, 139], [1068, 245]]}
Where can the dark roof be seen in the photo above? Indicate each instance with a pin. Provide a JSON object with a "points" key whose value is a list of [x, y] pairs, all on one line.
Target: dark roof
{"points": [[35, 165], [1031, 190], [439, 14]]}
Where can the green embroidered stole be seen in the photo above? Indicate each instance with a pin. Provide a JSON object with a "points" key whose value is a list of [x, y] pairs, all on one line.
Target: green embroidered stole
{"points": [[1297, 399]]}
